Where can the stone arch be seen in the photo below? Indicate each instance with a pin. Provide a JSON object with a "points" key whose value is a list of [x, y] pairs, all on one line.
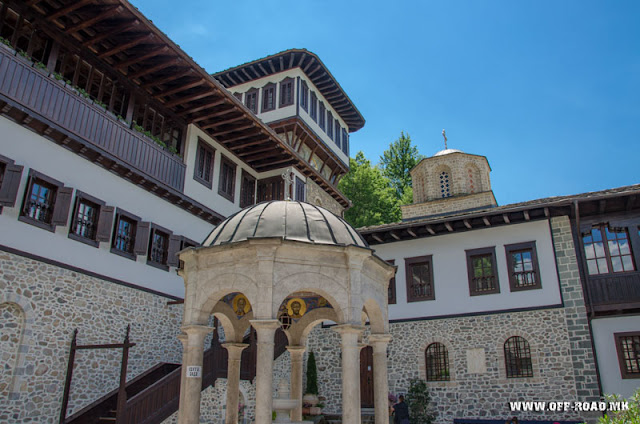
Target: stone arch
{"points": [[534, 350], [422, 361], [375, 315], [443, 182], [473, 178], [298, 334], [199, 309], [21, 308], [313, 282]]}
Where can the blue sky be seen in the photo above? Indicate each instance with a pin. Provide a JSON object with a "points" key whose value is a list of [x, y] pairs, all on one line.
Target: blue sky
{"points": [[548, 90]]}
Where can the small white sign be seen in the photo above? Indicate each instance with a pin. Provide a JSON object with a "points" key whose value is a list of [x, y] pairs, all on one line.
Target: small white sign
{"points": [[194, 371]]}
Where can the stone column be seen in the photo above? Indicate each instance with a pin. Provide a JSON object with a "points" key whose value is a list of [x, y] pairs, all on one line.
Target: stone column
{"points": [[350, 372], [190, 387], [266, 331], [296, 353], [234, 351], [379, 342]]}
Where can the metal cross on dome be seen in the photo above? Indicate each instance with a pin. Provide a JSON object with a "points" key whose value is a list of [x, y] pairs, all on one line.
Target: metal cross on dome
{"points": [[288, 181], [445, 139]]}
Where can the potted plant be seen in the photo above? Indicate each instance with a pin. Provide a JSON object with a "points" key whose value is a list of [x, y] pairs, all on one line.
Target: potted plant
{"points": [[311, 393]]}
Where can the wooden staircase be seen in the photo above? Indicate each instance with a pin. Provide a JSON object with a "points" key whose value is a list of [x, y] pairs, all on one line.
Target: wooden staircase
{"points": [[153, 396]]}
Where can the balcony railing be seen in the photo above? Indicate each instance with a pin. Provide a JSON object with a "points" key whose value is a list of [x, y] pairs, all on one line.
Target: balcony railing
{"points": [[50, 99], [614, 291]]}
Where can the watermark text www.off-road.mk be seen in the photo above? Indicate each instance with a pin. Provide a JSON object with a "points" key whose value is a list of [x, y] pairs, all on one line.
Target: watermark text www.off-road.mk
{"points": [[568, 406]]}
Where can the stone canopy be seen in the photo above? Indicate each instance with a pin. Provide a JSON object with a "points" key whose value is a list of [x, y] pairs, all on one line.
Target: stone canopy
{"points": [[247, 270]]}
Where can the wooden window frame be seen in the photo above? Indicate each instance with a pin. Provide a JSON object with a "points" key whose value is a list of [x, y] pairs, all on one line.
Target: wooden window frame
{"points": [[265, 107], [313, 106], [245, 198], [61, 200], [284, 83], [392, 297], [330, 124], [441, 359], [345, 141], [246, 99], [300, 190], [272, 183], [624, 373], [136, 221], [603, 226], [518, 247], [203, 146], [322, 116], [509, 370], [80, 197], [9, 182], [163, 265], [304, 96], [409, 263], [225, 161], [470, 274]]}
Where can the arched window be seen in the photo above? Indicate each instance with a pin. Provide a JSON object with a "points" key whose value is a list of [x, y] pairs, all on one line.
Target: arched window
{"points": [[437, 362], [445, 184], [474, 185], [517, 357]]}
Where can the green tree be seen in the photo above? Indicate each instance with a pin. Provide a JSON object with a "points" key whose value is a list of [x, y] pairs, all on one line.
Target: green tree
{"points": [[312, 375], [397, 161], [418, 399], [374, 201]]}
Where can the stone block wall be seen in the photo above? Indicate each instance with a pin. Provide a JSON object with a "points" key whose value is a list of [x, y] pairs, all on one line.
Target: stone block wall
{"points": [[449, 204], [44, 303], [317, 196]]}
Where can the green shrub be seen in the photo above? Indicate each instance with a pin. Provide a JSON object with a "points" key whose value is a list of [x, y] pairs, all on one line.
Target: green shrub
{"points": [[312, 375], [418, 399], [630, 416]]}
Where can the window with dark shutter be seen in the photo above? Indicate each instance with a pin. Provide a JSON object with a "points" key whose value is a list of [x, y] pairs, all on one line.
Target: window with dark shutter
{"points": [[247, 190], [103, 233], [46, 202], [125, 232], [304, 96], [251, 100], [482, 271], [174, 247], [607, 250], [158, 251], [392, 285], [238, 96], [313, 107], [337, 134], [10, 175], [330, 125], [227, 185], [268, 97], [203, 169], [185, 243], [419, 275], [286, 92], [345, 142], [322, 115], [85, 219], [301, 188]]}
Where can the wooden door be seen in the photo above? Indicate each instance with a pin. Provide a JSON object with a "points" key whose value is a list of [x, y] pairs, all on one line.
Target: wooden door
{"points": [[366, 377]]}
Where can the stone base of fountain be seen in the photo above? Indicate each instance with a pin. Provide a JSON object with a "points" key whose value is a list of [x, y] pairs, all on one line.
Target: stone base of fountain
{"points": [[283, 405]]}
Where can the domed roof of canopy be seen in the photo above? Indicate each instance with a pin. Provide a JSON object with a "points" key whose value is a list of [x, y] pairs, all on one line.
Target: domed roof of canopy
{"points": [[447, 151], [288, 220]]}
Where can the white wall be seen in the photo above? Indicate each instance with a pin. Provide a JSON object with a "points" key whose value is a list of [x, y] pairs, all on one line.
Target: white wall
{"points": [[290, 111], [30, 150], [608, 364], [450, 271]]}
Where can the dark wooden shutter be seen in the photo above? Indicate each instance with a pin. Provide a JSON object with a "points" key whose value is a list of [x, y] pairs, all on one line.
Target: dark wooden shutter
{"points": [[62, 205], [142, 238], [174, 248], [10, 184], [105, 221]]}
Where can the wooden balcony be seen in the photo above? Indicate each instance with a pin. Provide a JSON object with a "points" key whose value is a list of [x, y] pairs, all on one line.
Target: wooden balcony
{"points": [[614, 292], [48, 100]]}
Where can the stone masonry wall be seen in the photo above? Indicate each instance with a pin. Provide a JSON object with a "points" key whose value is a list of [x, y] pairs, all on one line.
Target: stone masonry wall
{"points": [[317, 196], [449, 204], [53, 301]]}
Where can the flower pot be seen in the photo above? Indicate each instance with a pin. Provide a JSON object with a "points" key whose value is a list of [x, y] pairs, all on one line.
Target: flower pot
{"points": [[310, 399]]}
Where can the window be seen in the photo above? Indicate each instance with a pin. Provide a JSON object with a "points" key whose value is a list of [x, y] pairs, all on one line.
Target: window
{"points": [[304, 96], [158, 252], [227, 185], [300, 190], [522, 263], [345, 142], [607, 250], [247, 190], [337, 133], [91, 220], [130, 236], [46, 202], [517, 357], [251, 100], [330, 125], [286, 92], [483, 272], [445, 184], [203, 171], [628, 347], [238, 96], [268, 97], [184, 243], [313, 107], [322, 115], [419, 274], [10, 175], [392, 286], [271, 189], [437, 362]]}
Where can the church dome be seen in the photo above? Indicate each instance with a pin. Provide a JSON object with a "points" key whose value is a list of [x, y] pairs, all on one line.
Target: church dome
{"points": [[288, 220], [447, 151]]}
